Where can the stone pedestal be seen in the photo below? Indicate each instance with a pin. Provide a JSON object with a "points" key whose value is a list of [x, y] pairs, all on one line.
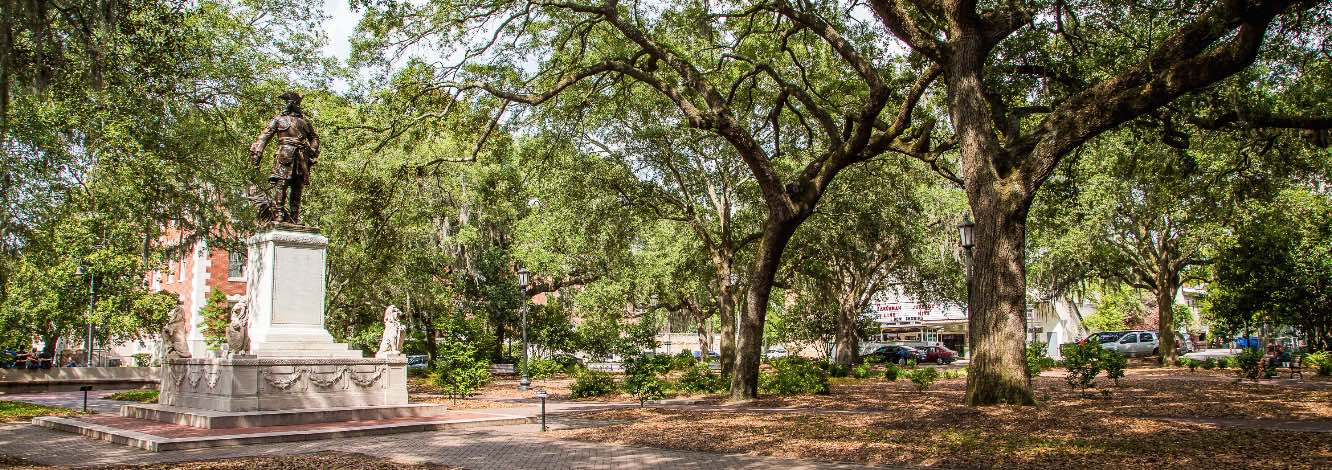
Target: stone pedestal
{"points": [[273, 384], [284, 279], [295, 370]]}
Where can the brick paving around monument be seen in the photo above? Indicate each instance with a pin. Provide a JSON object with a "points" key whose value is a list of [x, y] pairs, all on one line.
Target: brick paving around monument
{"points": [[506, 447], [173, 431]]}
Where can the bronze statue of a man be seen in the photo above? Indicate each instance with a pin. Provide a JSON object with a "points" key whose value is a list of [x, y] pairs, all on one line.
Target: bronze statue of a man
{"points": [[297, 150]]}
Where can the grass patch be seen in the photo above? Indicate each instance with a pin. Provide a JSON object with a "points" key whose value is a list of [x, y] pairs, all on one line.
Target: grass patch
{"points": [[11, 411], [138, 396]]}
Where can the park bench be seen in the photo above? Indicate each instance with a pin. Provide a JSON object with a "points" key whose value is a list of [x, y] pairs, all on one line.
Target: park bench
{"points": [[502, 369]]}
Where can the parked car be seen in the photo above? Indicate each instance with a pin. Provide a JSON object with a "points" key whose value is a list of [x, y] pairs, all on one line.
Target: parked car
{"points": [[938, 354], [711, 355], [417, 361], [1133, 343], [896, 353], [774, 353]]}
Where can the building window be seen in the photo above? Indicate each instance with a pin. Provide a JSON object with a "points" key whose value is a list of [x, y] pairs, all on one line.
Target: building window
{"points": [[235, 265]]}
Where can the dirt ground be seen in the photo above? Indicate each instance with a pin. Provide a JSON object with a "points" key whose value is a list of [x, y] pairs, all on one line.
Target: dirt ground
{"points": [[891, 423], [321, 460]]}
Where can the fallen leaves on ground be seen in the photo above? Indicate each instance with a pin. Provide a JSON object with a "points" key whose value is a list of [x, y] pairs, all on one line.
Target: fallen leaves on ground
{"points": [[890, 423]]}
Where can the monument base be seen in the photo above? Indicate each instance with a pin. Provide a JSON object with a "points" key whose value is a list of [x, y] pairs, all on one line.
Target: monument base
{"points": [[207, 419], [251, 384]]}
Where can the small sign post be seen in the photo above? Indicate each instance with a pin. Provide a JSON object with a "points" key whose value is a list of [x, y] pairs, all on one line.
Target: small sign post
{"points": [[85, 390], [542, 394]]}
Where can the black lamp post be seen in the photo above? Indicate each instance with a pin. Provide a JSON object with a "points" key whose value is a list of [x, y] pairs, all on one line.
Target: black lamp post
{"points": [[967, 237], [526, 383], [92, 299]]}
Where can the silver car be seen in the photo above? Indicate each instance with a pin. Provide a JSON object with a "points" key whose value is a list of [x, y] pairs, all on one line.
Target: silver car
{"points": [[1129, 343]]}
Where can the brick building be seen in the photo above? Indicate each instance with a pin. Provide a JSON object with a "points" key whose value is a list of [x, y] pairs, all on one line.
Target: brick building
{"points": [[194, 274]]}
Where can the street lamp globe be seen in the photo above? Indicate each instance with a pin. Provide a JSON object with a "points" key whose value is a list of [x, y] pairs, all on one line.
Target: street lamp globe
{"points": [[522, 277], [967, 232]]}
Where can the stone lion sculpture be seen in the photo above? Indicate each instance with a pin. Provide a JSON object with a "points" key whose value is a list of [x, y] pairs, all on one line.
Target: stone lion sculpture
{"points": [[173, 335], [391, 343], [238, 331]]}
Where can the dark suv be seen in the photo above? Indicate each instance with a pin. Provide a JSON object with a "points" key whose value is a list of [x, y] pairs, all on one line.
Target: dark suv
{"points": [[896, 353]]}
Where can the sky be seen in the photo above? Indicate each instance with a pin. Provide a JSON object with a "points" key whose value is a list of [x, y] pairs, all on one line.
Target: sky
{"points": [[339, 27]]}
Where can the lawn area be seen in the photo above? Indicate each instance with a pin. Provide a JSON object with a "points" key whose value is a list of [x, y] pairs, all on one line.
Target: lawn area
{"points": [[138, 396], [11, 411], [890, 423]]}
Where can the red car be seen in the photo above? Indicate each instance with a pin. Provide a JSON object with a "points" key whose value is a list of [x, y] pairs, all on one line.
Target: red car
{"points": [[938, 354]]}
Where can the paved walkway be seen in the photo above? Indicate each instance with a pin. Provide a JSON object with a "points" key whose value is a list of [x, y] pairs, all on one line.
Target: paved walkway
{"points": [[503, 448]]}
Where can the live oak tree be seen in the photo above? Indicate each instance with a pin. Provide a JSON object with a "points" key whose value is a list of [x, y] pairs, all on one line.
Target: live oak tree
{"points": [[866, 238], [1028, 83], [768, 80]]}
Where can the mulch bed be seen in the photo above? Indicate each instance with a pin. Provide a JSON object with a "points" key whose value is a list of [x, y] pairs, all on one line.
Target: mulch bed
{"points": [[890, 423]]}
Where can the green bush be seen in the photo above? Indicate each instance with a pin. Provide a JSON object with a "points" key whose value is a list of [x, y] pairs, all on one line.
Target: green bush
{"points": [[1210, 363], [542, 368], [682, 361], [911, 363], [1114, 364], [1190, 363], [1250, 364], [862, 371], [701, 379], [892, 372], [794, 376], [1037, 359], [1225, 362], [592, 383], [834, 369], [644, 376], [459, 372], [1320, 361], [924, 377], [418, 372], [142, 359], [1082, 363]]}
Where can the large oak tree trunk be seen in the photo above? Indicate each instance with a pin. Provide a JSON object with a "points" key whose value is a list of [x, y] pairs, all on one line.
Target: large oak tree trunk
{"points": [[749, 344], [1165, 318], [998, 320], [848, 336], [726, 310]]}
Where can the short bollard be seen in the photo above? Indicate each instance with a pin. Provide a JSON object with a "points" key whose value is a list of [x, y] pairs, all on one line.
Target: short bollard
{"points": [[85, 390], [542, 394]]}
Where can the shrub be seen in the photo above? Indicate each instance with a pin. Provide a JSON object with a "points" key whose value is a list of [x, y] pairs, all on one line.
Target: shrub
{"points": [[701, 379], [1210, 363], [1037, 359], [142, 359], [911, 363], [458, 371], [861, 371], [1190, 363], [924, 377], [1083, 363], [592, 383], [892, 372], [834, 369], [1225, 362], [682, 361], [418, 372], [1114, 364], [542, 368], [1320, 361], [644, 376], [794, 376], [1250, 364]]}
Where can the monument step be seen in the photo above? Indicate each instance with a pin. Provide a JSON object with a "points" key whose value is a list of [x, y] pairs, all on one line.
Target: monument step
{"points": [[210, 419]]}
